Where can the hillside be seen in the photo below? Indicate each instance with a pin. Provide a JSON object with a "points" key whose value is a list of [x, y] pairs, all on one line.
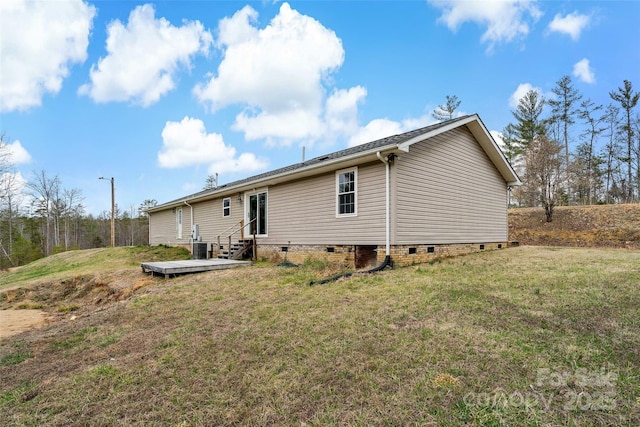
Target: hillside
{"points": [[472, 340], [612, 226]]}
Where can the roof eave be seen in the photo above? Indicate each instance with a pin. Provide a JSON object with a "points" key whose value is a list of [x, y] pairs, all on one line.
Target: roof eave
{"points": [[303, 172], [484, 138]]}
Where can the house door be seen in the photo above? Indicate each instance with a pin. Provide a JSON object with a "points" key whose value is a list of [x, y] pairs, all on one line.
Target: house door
{"points": [[257, 210]]}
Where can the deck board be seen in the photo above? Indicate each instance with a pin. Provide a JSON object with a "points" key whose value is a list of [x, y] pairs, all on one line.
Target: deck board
{"points": [[172, 268]]}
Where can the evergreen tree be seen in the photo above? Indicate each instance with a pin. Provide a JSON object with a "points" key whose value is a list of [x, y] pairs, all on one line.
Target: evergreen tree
{"points": [[563, 109], [528, 124], [627, 99], [445, 112], [211, 182], [587, 113]]}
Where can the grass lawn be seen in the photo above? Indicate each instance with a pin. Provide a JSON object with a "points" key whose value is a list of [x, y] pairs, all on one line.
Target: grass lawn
{"points": [[522, 336]]}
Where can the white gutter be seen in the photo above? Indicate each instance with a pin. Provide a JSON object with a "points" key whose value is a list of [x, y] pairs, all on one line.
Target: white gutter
{"points": [[310, 170], [387, 218]]}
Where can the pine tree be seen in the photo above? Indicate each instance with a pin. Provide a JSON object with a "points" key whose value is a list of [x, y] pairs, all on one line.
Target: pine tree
{"points": [[528, 124], [445, 112], [563, 112], [627, 99], [587, 113]]}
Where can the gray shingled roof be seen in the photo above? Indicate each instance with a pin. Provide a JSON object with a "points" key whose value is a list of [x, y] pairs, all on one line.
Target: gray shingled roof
{"points": [[380, 143]]}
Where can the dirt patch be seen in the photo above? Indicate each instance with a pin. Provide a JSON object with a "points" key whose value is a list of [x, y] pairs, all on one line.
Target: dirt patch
{"points": [[28, 307], [16, 321], [612, 226]]}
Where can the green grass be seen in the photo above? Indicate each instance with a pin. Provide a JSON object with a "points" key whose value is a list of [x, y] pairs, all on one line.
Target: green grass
{"points": [[91, 261], [18, 355], [523, 336]]}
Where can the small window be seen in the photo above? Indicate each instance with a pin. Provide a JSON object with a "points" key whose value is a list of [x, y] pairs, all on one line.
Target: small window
{"points": [[331, 249], [179, 223], [481, 247], [226, 206], [430, 249], [412, 251], [346, 192]]}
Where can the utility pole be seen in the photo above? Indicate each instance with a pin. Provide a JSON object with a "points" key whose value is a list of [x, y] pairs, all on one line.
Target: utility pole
{"points": [[113, 211]]}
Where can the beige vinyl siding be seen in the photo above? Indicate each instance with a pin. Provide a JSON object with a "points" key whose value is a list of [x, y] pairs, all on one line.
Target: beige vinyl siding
{"points": [[163, 227], [304, 212], [208, 215], [448, 191]]}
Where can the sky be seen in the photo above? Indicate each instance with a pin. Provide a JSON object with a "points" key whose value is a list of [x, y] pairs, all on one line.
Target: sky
{"points": [[159, 95]]}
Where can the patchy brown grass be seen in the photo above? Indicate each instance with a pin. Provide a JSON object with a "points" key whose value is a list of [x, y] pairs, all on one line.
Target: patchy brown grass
{"points": [[613, 226], [486, 339]]}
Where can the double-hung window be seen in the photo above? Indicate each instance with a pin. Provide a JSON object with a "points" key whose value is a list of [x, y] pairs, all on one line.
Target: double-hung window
{"points": [[226, 206], [347, 192]]}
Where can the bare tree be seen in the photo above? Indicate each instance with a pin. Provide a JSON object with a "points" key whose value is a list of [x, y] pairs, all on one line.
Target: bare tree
{"points": [[9, 207], [72, 213], [445, 112], [43, 192], [5, 154], [544, 172]]}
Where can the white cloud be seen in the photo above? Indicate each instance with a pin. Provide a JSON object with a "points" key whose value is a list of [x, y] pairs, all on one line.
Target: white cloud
{"points": [[572, 24], [278, 74], [375, 129], [18, 154], [504, 20], [497, 137], [13, 183], [187, 143], [582, 70], [39, 41], [144, 57], [520, 92], [382, 128], [341, 114]]}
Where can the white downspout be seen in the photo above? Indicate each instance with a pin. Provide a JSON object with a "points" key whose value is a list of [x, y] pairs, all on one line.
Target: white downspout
{"points": [[191, 233], [387, 219]]}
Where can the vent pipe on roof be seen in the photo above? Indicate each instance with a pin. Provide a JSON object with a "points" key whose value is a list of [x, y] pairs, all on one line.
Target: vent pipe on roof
{"points": [[303, 148]]}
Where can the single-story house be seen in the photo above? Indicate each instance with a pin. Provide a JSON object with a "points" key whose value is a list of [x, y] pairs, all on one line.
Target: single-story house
{"points": [[439, 190]]}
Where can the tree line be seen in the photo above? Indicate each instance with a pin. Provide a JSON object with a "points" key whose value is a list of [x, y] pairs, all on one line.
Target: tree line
{"points": [[600, 166], [42, 218]]}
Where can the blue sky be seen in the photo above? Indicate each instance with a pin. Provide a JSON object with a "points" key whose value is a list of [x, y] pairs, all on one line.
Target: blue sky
{"points": [[161, 94]]}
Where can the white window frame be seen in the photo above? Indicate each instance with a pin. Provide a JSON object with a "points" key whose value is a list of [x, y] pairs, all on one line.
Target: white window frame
{"points": [[355, 192], [179, 220], [226, 210]]}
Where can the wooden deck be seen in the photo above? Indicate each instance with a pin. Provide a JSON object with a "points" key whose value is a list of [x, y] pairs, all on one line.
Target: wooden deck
{"points": [[173, 268]]}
